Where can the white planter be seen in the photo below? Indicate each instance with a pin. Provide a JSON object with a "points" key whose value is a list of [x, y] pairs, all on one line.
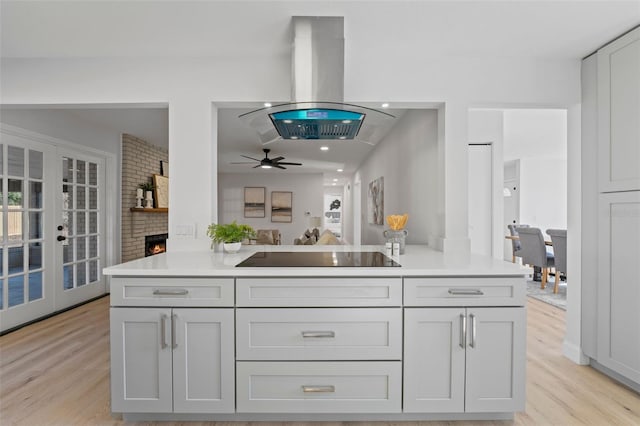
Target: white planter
{"points": [[232, 247]]}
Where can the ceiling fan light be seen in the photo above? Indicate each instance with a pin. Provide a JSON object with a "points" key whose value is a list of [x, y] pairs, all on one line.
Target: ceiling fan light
{"points": [[265, 166]]}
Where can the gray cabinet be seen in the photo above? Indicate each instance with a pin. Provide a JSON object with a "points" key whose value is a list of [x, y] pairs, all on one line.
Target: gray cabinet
{"points": [[464, 360], [618, 114], [172, 360], [618, 342]]}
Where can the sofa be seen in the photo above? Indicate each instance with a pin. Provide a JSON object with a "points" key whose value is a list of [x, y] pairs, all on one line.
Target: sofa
{"points": [[268, 237], [313, 237]]}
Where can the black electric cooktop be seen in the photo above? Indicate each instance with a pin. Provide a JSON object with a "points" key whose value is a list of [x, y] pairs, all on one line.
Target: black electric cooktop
{"points": [[314, 259]]}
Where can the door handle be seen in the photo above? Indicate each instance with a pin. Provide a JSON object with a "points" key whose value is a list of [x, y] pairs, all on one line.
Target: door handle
{"points": [[174, 320], [318, 389], [313, 334], [473, 331], [61, 238], [163, 331], [463, 330]]}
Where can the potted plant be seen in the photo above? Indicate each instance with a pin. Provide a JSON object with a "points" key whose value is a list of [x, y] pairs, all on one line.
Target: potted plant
{"points": [[230, 235], [147, 187]]}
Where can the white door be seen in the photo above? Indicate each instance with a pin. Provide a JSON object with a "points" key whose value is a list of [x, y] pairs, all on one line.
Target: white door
{"points": [[203, 361], [42, 269], [495, 355], [480, 199], [80, 225], [26, 237], [434, 360]]}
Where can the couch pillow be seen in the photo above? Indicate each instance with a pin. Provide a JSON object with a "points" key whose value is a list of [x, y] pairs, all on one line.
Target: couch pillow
{"points": [[264, 236], [328, 239]]}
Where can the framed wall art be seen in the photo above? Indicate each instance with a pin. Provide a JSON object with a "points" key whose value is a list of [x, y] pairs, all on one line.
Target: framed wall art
{"points": [[161, 191], [254, 201], [375, 202], [281, 206]]}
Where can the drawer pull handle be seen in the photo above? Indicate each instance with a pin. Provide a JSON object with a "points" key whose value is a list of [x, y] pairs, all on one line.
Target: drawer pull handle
{"points": [[318, 389], [318, 334], [170, 292], [465, 291]]}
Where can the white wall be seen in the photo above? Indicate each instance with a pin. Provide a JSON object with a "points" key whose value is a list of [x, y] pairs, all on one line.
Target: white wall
{"points": [[535, 133], [543, 193], [407, 159], [308, 196]]}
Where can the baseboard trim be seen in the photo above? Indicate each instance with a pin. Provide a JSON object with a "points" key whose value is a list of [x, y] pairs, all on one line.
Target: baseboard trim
{"points": [[574, 353], [615, 376], [52, 314]]}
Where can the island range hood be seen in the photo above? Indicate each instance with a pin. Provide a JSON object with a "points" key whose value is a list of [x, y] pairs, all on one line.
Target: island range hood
{"points": [[317, 91]]}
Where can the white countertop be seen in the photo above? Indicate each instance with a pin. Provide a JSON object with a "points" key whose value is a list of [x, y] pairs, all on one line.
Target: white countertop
{"points": [[417, 261]]}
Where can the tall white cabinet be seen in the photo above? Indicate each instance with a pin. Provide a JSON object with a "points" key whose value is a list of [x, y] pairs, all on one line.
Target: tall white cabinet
{"points": [[611, 208]]}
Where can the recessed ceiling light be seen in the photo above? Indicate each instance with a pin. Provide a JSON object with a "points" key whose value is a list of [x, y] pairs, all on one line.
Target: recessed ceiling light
{"points": [[385, 105], [294, 137], [334, 184], [335, 180], [342, 138], [324, 148], [339, 170], [267, 104]]}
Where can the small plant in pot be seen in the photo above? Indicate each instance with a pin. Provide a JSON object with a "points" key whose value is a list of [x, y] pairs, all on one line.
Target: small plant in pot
{"points": [[148, 188], [230, 234]]}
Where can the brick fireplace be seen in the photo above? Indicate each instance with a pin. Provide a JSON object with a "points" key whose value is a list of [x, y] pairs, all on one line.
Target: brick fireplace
{"points": [[140, 161]]}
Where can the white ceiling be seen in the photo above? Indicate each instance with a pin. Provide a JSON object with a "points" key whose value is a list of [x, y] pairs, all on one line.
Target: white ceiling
{"points": [[227, 29]]}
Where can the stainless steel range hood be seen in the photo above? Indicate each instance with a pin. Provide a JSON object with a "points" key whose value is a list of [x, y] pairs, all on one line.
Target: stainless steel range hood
{"points": [[317, 110]]}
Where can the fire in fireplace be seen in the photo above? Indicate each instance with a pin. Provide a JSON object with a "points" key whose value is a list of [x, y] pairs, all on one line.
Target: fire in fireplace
{"points": [[155, 244]]}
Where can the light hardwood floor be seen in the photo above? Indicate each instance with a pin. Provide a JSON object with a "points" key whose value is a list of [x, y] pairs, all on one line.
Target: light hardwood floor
{"points": [[56, 372]]}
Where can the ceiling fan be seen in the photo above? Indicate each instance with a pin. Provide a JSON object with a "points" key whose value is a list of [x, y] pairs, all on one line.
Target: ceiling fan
{"points": [[267, 163]]}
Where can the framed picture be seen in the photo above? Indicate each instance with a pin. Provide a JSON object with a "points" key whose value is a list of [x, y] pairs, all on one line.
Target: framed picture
{"points": [[254, 201], [281, 206], [375, 202], [164, 168], [161, 191]]}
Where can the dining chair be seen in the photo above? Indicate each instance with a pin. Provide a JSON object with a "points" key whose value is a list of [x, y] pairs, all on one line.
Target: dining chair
{"points": [[515, 243], [559, 241], [533, 251]]}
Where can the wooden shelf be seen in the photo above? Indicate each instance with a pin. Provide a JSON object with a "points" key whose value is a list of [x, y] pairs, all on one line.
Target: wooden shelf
{"points": [[144, 210]]}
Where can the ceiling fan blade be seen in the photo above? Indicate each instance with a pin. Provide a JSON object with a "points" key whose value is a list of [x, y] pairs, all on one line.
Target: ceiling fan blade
{"points": [[279, 166], [250, 158], [255, 167], [243, 162], [290, 164], [275, 160]]}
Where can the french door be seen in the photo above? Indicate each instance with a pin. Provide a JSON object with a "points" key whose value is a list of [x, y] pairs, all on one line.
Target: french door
{"points": [[51, 229]]}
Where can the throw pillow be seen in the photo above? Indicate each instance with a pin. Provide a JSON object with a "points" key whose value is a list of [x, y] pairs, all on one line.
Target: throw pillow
{"points": [[264, 236], [328, 239]]}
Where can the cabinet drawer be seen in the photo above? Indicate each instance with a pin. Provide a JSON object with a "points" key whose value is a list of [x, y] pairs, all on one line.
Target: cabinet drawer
{"points": [[481, 291], [319, 334], [187, 291], [319, 387], [294, 292]]}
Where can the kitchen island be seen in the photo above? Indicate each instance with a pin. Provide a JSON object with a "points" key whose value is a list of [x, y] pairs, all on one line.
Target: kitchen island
{"points": [[194, 337]]}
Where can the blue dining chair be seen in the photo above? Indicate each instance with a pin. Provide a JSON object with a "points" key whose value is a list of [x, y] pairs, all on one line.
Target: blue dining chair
{"points": [[534, 252], [559, 241]]}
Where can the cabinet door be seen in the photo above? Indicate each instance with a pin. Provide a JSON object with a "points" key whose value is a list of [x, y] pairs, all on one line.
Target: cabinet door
{"points": [[434, 358], [618, 112], [140, 360], [619, 283], [203, 361], [495, 360]]}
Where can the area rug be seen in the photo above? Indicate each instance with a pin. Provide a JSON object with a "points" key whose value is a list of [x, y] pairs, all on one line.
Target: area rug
{"points": [[559, 300]]}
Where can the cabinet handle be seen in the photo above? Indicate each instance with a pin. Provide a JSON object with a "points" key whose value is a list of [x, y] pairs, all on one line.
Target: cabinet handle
{"points": [[318, 389], [473, 331], [163, 331], [465, 291], [174, 320], [314, 334], [463, 330], [169, 292]]}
